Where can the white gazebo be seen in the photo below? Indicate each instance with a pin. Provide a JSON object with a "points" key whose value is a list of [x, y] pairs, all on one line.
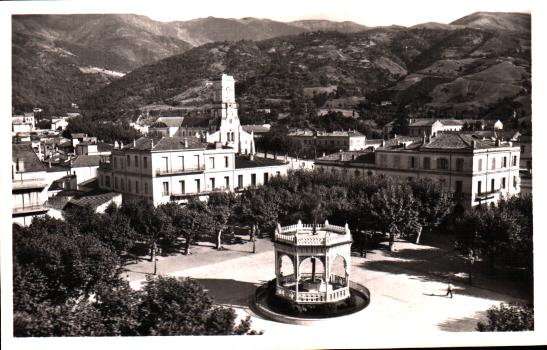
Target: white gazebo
{"points": [[312, 265]]}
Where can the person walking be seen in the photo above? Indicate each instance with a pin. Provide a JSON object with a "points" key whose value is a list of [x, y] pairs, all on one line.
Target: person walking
{"points": [[450, 289]]}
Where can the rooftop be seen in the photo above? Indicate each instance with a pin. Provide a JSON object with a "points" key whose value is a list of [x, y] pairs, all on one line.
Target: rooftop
{"points": [[260, 128], [308, 132], [364, 156], [196, 122], [443, 141], [166, 144], [94, 200], [246, 162], [24, 152], [86, 161]]}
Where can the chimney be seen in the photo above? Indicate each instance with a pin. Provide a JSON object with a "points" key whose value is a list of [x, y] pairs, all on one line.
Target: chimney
{"points": [[341, 156], [121, 145], [185, 143], [404, 145], [428, 139], [152, 146], [116, 145], [383, 143], [474, 144], [424, 138], [394, 136], [134, 143], [498, 142], [218, 145], [510, 144]]}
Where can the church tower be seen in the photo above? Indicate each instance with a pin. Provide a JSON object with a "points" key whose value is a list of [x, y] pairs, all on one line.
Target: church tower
{"points": [[225, 108]]}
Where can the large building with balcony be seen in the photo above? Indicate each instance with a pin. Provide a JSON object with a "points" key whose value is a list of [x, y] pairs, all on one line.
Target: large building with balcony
{"points": [[29, 185], [174, 169], [345, 140], [476, 170]]}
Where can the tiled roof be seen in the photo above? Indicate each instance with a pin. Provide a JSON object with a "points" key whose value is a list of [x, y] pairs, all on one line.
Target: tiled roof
{"points": [[24, 152], [166, 143], [422, 122], [366, 156], [256, 128], [94, 200], [195, 122], [451, 122], [77, 135], [86, 161], [104, 147], [246, 162], [170, 121], [308, 132]]}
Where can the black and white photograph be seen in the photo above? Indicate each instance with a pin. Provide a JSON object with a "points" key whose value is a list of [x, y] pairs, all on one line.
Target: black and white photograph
{"points": [[272, 175]]}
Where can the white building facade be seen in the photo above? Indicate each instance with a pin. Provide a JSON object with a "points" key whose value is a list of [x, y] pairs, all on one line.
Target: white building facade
{"points": [[173, 169]]}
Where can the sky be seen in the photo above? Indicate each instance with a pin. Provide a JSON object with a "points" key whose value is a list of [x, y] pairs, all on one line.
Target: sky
{"points": [[369, 13]]}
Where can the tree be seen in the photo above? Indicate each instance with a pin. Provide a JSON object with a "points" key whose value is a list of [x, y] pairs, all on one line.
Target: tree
{"points": [[181, 307], [191, 221], [220, 205], [512, 317], [498, 234], [433, 204], [393, 210]]}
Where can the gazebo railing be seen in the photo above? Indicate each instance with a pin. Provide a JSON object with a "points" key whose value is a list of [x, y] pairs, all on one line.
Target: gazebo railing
{"points": [[313, 297]]}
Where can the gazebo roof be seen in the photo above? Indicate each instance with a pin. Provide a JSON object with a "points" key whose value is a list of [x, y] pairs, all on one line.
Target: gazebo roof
{"points": [[303, 235]]}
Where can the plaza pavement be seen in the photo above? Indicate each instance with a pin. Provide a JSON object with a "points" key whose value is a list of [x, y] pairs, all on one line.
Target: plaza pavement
{"points": [[407, 289]]}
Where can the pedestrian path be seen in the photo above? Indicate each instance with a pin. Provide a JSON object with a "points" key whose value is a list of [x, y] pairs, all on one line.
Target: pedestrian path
{"points": [[408, 288]]}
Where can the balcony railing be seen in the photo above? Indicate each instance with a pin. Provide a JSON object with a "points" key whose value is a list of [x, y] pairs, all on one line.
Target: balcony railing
{"points": [[185, 170], [19, 209], [29, 183]]}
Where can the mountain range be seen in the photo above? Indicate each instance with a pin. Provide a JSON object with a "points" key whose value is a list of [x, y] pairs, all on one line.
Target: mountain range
{"points": [[59, 59]]}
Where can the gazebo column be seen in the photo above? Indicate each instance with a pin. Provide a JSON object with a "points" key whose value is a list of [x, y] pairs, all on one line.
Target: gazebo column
{"points": [[297, 275]]}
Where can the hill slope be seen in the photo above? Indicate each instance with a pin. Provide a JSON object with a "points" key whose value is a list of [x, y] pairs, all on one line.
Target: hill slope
{"points": [[421, 68]]}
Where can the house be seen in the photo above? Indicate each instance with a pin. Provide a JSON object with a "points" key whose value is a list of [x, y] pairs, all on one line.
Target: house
{"points": [[58, 123], [354, 163], [29, 185], [85, 167], [350, 140], [166, 126], [98, 202], [22, 123], [422, 126], [258, 130], [166, 169]]}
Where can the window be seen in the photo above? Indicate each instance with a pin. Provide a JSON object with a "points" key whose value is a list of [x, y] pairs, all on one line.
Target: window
{"points": [[514, 181], [137, 189], [459, 164], [212, 162], [266, 175], [165, 188], [504, 162], [128, 186], [165, 163], [442, 163], [226, 162], [479, 187], [253, 180], [227, 181], [492, 184], [115, 162], [493, 163], [459, 186], [397, 161], [181, 162], [480, 164], [123, 185], [146, 188], [239, 181], [182, 185], [128, 161], [427, 163], [116, 183], [145, 162], [136, 161], [198, 186], [503, 182], [383, 160], [196, 161], [522, 148], [412, 162], [514, 160], [212, 182]]}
